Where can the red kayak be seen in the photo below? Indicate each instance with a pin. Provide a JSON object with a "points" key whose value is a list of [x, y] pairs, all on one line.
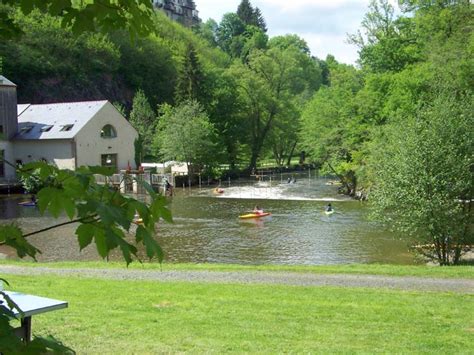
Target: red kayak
{"points": [[254, 215]]}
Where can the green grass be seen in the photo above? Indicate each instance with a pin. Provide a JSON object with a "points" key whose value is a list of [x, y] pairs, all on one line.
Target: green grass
{"points": [[372, 269], [108, 317]]}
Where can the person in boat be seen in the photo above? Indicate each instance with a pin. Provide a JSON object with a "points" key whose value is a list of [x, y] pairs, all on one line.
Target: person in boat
{"points": [[33, 199], [329, 208], [257, 210], [289, 180], [168, 188]]}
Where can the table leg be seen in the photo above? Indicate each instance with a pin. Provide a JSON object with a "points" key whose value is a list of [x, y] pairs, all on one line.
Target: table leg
{"points": [[26, 326]]}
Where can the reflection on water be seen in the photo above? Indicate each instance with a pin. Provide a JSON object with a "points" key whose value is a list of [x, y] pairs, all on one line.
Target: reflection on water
{"points": [[207, 228]]}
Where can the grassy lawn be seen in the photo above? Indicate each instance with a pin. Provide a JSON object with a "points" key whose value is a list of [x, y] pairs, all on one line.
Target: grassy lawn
{"points": [[106, 316], [371, 269]]}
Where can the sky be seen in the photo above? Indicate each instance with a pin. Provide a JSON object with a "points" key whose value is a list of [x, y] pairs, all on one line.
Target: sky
{"points": [[323, 24]]}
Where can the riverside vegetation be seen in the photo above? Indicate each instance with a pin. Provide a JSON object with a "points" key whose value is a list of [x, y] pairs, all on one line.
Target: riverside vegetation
{"points": [[260, 97], [397, 129]]}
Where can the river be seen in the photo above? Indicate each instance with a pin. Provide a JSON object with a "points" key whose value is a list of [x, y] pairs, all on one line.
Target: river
{"points": [[206, 227]]}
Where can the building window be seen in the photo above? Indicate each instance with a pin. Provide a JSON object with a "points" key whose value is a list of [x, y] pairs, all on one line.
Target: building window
{"points": [[25, 129], [109, 160], [108, 131], [66, 127], [2, 163], [46, 128]]}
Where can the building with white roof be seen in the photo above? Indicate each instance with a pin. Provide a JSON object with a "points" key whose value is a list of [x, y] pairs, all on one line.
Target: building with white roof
{"points": [[68, 134]]}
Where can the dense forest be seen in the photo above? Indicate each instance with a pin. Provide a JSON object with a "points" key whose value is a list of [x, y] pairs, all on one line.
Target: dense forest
{"points": [[396, 128]]}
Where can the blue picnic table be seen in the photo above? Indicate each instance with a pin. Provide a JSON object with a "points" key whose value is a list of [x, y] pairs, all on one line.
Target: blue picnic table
{"points": [[30, 305]]}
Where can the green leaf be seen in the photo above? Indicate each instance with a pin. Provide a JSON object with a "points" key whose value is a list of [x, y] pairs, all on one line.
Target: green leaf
{"points": [[85, 234], [82, 22], [58, 6], [166, 215], [158, 209], [11, 304], [113, 214], [127, 249], [152, 247], [55, 201], [101, 242], [13, 236], [69, 207]]}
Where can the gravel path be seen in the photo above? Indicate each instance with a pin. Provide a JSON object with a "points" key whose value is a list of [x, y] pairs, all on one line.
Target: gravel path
{"points": [[259, 277]]}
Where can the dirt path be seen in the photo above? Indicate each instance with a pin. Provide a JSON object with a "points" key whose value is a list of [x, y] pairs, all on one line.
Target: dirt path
{"points": [[258, 277]]}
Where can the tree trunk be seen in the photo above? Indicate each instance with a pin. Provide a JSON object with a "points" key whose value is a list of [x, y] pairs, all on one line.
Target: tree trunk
{"points": [[341, 178], [291, 154], [258, 140], [253, 159]]}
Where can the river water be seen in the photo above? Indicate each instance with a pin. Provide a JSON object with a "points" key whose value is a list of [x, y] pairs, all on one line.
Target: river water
{"points": [[206, 227]]}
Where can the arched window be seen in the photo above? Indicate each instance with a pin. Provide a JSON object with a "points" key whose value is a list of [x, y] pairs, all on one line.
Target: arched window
{"points": [[108, 131]]}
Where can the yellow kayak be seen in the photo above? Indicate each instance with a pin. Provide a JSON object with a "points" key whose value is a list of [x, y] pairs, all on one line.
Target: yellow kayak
{"points": [[254, 215], [138, 221]]}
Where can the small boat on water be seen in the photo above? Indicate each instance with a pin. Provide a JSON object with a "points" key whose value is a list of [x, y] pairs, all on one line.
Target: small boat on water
{"points": [[254, 215], [328, 213], [27, 203], [218, 190], [138, 221]]}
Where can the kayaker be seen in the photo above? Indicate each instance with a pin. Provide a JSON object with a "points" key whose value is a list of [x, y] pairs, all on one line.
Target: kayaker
{"points": [[329, 208], [257, 210]]}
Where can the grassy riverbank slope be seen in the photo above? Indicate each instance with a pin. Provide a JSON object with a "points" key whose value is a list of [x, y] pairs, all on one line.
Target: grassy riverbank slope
{"points": [[128, 316]]}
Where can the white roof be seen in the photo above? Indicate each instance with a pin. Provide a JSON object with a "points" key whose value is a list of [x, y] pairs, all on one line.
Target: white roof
{"points": [[21, 108], [5, 82], [35, 121]]}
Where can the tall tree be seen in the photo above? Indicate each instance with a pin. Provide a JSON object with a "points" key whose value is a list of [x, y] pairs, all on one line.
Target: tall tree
{"points": [[274, 83], [208, 31], [189, 85], [143, 119], [245, 12], [387, 43], [185, 134], [260, 20], [330, 131], [424, 185], [229, 28], [251, 16], [224, 113]]}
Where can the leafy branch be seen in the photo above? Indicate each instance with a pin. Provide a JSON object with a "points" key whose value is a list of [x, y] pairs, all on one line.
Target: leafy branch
{"points": [[105, 217]]}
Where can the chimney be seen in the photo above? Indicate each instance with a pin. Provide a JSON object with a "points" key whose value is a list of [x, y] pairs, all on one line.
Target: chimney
{"points": [[8, 108]]}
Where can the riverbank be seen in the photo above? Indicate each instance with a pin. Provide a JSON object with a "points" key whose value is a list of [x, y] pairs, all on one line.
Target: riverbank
{"points": [[136, 314], [433, 271]]}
